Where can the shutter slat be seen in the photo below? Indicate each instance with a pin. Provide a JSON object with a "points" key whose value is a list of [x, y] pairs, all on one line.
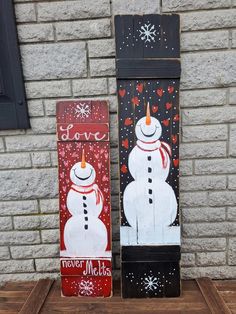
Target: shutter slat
{"points": [[13, 106]]}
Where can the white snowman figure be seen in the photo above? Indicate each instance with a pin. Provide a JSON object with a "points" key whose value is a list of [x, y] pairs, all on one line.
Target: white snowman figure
{"points": [[85, 235], [149, 202]]}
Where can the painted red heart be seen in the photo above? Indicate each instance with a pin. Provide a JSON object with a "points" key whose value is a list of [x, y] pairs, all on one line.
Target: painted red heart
{"points": [[139, 87], [168, 105], [166, 122], [176, 117], [174, 138], [75, 155], [160, 92], [122, 92], [154, 109], [128, 121], [170, 89], [124, 169], [104, 178], [135, 101], [125, 143], [64, 188], [176, 162], [63, 207]]}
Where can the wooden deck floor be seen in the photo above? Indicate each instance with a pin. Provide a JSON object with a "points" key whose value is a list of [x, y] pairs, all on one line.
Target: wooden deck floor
{"points": [[198, 296]]}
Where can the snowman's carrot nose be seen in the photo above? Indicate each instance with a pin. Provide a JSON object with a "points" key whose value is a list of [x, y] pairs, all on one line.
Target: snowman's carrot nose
{"points": [[83, 163], [148, 116]]}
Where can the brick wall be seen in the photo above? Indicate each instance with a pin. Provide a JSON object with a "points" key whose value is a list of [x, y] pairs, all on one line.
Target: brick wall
{"points": [[67, 51]]}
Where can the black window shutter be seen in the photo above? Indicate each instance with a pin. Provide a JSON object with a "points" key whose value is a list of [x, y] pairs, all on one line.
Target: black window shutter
{"points": [[13, 106]]}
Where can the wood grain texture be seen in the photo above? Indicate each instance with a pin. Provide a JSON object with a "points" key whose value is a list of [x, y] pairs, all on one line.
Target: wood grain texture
{"points": [[147, 68], [37, 297], [213, 298], [190, 302], [148, 72], [150, 253], [84, 189]]}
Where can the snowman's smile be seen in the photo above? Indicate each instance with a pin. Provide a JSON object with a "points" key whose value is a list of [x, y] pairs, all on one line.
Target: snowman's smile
{"points": [[148, 135], [86, 178]]}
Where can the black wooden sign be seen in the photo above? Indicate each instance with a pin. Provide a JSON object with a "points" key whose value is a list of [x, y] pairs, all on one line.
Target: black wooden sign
{"points": [[148, 73]]}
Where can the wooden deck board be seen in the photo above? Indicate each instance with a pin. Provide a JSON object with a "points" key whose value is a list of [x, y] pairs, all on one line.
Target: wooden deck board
{"points": [[37, 297], [19, 296], [213, 298]]}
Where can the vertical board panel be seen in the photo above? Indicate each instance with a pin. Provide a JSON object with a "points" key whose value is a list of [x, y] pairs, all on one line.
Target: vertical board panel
{"points": [[84, 188], [13, 105], [148, 71]]}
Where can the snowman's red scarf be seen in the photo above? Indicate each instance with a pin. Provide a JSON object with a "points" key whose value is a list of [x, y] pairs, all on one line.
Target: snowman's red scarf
{"points": [[89, 189], [164, 149]]}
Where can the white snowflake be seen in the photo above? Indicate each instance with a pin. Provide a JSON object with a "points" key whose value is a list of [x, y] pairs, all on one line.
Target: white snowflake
{"points": [[86, 287], [147, 32], [82, 110], [150, 283]]}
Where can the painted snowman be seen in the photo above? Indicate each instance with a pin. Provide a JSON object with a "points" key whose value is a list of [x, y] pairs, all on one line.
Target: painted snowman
{"points": [[150, 204], [85, 234]]}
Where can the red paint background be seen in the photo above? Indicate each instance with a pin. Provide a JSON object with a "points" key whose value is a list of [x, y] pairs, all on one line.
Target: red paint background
{"points": [[98, 155], [70, 285]]}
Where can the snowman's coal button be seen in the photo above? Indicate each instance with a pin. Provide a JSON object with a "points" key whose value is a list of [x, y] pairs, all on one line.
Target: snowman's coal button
{"points": [[150, 191], [149, 180], [84, 205], [149, 158], [85, 211], [86, 218], [84, 197], [86, 227], [150, 201], [149, 169]]}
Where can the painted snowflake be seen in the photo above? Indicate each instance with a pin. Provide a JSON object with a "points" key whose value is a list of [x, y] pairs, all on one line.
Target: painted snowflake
{"points": [[150, 283], [148, 32], [86, 287], [82, 110]]}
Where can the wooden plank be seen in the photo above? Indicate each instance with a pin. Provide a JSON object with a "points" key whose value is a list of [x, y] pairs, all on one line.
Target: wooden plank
{"points": [[85, 205], [148, 71], [213, 299], [150, 253], [225, 285], [124, 307], [131, 42], [152, 279], [37, 297], [138, 68], [10, 307], [228, 296], [18, 286]]}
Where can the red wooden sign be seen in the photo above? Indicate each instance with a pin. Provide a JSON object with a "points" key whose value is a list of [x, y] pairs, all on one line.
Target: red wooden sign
{"points": [[84, 190]]}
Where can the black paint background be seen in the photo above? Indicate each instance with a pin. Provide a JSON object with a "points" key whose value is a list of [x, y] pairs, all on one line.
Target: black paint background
{"points": [[128, 110], [167, 275], [166, 43]]}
